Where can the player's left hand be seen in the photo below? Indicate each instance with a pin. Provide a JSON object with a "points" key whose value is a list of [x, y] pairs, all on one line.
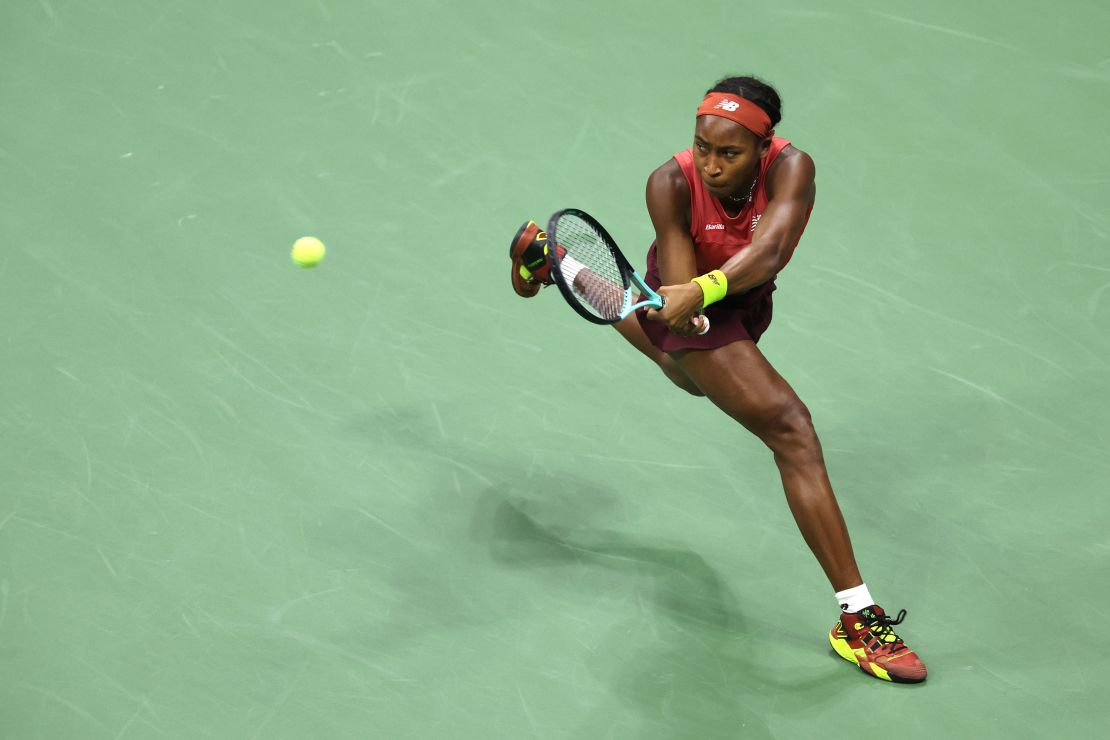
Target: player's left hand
{"points": [[682, 303]]}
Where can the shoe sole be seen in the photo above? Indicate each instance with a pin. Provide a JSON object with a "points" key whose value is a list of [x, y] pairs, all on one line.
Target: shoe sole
{"points": [[516, 249]]}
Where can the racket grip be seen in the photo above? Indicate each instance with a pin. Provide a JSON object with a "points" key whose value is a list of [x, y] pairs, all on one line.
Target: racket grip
{"points": [[703, 321]]}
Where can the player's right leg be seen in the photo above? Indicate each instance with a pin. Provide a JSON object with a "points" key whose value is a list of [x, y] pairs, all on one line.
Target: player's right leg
{"points": [[528, 253]]}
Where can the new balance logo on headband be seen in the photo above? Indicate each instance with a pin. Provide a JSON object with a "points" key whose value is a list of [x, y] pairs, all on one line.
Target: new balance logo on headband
{"points": [[729, 105]]}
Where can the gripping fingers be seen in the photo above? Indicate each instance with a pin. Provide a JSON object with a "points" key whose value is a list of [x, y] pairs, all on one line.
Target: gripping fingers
{"points": [[696, 324]]}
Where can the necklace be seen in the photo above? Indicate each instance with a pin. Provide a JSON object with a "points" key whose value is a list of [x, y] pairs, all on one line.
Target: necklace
{"points": [[745, 198]]}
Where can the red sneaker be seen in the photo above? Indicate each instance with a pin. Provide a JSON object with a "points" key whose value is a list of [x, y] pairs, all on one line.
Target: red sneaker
{"points": [[867, 639], [528, 252]]}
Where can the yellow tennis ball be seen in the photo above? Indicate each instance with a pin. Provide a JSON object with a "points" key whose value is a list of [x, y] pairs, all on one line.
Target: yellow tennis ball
{"points": [[308, 251]]}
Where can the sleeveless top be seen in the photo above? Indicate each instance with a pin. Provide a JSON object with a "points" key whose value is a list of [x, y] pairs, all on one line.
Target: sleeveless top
{"points": [[718, 236]]}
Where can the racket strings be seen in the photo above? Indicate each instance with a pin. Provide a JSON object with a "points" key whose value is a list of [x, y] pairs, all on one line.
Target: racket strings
{"points": [[589, 267]]}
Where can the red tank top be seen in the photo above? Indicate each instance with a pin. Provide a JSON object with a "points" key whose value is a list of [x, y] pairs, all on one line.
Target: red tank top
{"points": [[718, 236]]}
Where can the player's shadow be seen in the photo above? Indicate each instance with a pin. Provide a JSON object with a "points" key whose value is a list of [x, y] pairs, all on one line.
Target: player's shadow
{"points": [[686, 587], [700, 660], [683, 653]]}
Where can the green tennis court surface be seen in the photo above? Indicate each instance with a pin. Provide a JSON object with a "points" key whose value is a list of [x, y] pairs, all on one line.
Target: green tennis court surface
{"points": [[388, 498]]}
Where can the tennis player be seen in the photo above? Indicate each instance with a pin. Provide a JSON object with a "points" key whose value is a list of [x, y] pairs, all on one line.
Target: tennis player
{"points": [[728, 213]]}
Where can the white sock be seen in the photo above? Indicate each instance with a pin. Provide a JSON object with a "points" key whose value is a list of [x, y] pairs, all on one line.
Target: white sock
{"points": [[854, 599]]}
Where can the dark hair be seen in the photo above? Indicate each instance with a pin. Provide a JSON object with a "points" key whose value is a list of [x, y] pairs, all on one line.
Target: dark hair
{"points": [[755, 90]]}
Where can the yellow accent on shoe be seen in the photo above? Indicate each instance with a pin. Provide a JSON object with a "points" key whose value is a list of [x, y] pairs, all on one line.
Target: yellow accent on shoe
{"points": [[842, 649], [858, 657]]}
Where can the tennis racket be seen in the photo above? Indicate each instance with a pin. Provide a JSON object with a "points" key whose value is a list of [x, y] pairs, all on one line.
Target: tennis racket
{"points": [[592, 274]]}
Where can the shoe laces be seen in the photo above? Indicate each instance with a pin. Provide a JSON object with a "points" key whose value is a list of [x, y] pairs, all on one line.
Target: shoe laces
{"points": [[882, 626]]}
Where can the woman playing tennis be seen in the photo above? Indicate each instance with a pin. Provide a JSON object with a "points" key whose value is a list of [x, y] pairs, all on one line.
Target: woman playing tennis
{"points": [[728, 213]]}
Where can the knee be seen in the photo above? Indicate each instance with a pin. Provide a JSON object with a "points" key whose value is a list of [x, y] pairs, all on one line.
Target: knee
{"points": [[787, 427]]}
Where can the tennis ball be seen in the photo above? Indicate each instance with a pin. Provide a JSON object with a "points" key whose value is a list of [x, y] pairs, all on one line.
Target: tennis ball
{"points": [[308, 251]]}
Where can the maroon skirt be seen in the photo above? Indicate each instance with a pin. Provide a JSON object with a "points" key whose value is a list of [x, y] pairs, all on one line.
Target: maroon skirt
{"points": [[737, 318]]}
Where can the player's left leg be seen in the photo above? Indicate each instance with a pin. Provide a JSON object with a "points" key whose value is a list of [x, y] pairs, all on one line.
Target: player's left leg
{"points": [[741, 382]]}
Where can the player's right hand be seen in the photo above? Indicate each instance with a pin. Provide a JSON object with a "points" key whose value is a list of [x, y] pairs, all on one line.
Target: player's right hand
{"points": [[679, 312]]}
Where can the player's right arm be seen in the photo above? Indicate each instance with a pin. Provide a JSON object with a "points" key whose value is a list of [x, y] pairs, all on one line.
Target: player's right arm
{"points": [[668, 202]]}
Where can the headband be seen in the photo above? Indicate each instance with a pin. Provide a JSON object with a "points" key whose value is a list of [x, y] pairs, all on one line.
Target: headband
{"points": [[738, 109]]}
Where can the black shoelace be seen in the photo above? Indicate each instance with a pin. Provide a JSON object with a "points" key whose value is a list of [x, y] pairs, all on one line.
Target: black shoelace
{"points": [[881, 625]]}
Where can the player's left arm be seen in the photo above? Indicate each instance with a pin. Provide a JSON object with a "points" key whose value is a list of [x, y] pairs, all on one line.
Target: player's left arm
{"points": [[791, 191]]}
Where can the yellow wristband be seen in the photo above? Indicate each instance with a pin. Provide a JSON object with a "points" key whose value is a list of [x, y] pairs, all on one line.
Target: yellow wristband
{"points": [[714, 286]]}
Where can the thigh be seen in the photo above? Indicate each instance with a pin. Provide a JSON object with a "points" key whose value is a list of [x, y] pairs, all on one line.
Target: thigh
{"points": [[740, 381], [629, 328]]}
